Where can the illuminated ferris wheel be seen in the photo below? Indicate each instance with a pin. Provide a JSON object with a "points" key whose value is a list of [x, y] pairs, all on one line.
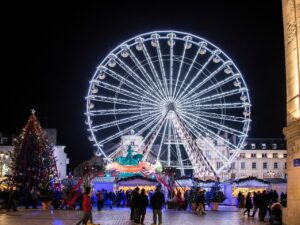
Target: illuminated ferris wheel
{"points": [[178, 91]]}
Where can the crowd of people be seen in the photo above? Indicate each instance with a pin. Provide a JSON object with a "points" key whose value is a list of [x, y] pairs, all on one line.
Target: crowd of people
{"points": [[138, 202], [195, 199], [266, 202]]}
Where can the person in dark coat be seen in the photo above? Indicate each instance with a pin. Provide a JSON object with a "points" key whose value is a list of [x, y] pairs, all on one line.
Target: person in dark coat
{"points": [[263, 206], [256, 200], [157, 200], [239, 198], [134, 205], [143, 204], [99, 200], [248, 204]]}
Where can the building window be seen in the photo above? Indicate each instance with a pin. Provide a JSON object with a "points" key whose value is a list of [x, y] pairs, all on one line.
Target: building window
{"points": [[253, 146], [275, 165], [275, 155], [242, 155], [264, 155], [284, 155], [263, 146], [243, 166], [274, 146], [233, 165], [265, 165], [285, 165], [254, 165], [132, 143], [219, 164], [253, 155]]}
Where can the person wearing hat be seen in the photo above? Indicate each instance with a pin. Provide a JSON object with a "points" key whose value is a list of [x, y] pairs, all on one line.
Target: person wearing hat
{"points": [[157, 200]]}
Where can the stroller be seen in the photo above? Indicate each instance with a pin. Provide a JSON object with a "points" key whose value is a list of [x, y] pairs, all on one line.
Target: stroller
{"points": [[276, 214]]}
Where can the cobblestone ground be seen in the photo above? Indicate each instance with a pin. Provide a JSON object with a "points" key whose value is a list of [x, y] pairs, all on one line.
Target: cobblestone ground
{"points": [[226, 216]]}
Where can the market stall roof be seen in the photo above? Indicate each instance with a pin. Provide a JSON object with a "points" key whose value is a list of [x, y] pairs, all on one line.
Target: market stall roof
{"points": [[136, 181], [276, 180], [192, 182], [249, 182], [104, 179]]}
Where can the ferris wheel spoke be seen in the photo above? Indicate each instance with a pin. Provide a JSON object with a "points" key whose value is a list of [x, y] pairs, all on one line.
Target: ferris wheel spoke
{"points": [[161, 142], [216, 96], [217, 106], [218, 116], [211, 134], [128, 83], [179, 71], [215, 86], [172, 42], [190, 68], [161, 64], [134, 126], [124, 120], [204, 81], [119, 101], [128, 70], [145, 73], [103, 112], [153, 70], [122, 91], [169, 144], [178, 150], [215, 125], [203, 139], [200, 71], [154, 131]]}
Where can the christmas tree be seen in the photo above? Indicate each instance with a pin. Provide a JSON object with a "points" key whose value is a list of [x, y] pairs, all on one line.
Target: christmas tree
{"points": [[33, 161]]}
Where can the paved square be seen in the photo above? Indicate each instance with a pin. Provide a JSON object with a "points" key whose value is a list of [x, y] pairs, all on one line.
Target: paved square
{"points": [[226, 216]]}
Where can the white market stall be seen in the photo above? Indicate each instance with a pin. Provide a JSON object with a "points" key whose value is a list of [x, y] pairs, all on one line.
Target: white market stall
{"points": [[231, 188]]}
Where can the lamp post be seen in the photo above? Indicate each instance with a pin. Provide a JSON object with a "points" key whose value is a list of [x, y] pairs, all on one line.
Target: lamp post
{"points": [[271, 173], [3, 158]]}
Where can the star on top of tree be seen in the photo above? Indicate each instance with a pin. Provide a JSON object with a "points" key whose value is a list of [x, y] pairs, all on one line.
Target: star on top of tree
{"points": [[33, 111]]}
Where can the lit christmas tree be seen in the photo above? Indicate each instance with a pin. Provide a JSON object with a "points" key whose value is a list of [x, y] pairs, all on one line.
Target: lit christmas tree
{"points": [[33, 161]]}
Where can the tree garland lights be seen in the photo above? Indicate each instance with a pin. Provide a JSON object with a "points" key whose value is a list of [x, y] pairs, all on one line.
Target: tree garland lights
{"points": [[33, 162]]}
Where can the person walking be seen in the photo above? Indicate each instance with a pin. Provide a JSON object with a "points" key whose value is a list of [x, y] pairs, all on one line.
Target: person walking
{"points": [[157, 200], [256, 199], [143, 204], [200, 203], [135, 199], [34, 197], [99, 200], [87, 207], [242, 202], [249, 204], [263, 206]]}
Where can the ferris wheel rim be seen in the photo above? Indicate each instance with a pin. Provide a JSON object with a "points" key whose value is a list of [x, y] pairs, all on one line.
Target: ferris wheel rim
{"points": [[117, 50]]}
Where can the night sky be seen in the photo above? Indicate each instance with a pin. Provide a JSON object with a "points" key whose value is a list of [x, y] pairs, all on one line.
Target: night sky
{"points": [[50, 51]]}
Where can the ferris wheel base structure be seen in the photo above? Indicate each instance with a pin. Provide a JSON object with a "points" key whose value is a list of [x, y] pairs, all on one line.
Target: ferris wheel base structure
{"points": [[178, 91]]}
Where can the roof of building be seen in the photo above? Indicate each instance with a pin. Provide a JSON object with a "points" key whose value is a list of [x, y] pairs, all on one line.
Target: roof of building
{"points": [[265, 143]]}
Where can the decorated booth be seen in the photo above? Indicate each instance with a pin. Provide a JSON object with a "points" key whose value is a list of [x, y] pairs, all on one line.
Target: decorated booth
{"points": [[244, 185], [183, 184], [137, 181], [132, 172], [104, 182]]}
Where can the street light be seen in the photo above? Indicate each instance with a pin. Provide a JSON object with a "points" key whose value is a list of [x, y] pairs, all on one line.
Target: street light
{"points": [[271, 173]]}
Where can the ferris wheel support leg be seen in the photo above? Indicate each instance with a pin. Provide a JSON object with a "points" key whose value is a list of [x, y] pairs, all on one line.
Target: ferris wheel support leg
{"points": [[178, 150]]}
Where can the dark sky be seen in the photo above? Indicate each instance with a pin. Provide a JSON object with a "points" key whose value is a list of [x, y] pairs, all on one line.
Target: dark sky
{"points": [[50, 51]]}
